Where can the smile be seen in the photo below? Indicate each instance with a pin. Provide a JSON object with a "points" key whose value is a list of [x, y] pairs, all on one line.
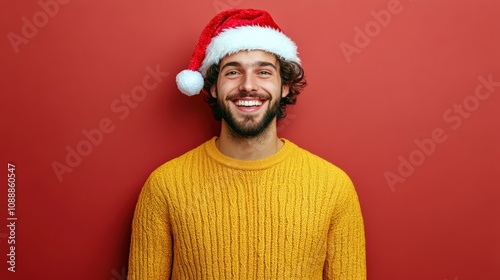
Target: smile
{"points": [[248, 103]]}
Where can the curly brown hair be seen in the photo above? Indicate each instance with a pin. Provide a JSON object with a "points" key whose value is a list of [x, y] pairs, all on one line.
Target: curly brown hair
{"points": [[292, 74]]}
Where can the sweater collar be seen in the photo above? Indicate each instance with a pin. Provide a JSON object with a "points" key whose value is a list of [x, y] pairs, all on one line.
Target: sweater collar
{"points": [[214, 153]]}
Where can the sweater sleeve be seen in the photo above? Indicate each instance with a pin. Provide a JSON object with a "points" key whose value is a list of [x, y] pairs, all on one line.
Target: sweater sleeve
{"points": [[151, 242], [346, 256]]}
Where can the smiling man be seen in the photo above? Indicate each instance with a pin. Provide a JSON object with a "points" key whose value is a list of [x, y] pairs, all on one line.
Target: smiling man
{"points": [[247, 98], [247, 204]]}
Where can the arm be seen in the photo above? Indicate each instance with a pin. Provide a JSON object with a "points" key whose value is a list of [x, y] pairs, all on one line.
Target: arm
{"points": [[151, 243], [345, 259]]}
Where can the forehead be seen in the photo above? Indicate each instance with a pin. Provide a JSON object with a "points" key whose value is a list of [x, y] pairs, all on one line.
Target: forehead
{"points": [[249, 57]]}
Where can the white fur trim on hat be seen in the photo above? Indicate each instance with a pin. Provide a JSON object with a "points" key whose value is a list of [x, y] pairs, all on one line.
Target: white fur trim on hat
{"points": [[233, 40], [189, 82]]}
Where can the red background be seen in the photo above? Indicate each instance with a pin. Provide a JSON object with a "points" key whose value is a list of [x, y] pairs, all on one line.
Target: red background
{"points": [[440, 223]]}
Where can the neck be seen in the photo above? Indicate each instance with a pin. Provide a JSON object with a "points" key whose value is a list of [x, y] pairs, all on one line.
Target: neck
{"points": [[249, 148]]}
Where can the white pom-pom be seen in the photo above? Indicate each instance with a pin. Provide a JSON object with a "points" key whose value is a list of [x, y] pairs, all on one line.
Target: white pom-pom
{"points": [[189, 82]]}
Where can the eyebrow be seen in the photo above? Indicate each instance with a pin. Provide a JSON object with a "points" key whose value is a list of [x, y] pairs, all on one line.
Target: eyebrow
{"points": [[255, 64]]}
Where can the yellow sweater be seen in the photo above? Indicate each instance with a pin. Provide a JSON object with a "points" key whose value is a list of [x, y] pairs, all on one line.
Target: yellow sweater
{"points": [[204, 215]]}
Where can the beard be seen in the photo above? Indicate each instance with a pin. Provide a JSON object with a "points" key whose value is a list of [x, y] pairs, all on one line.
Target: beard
{"points": [[249, 127]]}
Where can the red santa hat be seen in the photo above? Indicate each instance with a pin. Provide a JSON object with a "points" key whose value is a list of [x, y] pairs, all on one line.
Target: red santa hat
{"points": [[229, 32]]}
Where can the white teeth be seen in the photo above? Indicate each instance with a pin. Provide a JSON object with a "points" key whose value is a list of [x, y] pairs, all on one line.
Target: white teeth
{"points": [[248, 103]]}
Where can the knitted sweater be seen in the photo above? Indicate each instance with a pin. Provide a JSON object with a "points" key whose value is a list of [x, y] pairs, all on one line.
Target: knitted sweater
{"points": [[205, 215]]}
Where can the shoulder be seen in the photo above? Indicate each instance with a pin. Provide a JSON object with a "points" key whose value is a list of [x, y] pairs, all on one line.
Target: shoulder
{"points": [[180, 163], [168, 175], [313, 162], [325, 176]]}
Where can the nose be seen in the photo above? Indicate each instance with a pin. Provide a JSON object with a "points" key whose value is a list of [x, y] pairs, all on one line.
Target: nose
{"points": [[248, 83]]}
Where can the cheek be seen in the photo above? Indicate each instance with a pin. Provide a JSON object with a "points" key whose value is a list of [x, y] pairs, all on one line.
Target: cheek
{"points": [[227, 87], [273, 88]]}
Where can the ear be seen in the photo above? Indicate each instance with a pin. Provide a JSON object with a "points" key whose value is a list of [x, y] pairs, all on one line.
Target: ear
{"points": [[213, 91], [285, 89]]}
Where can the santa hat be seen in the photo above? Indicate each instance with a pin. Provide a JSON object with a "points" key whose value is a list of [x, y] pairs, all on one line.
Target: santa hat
{"points": [[229, 32]]}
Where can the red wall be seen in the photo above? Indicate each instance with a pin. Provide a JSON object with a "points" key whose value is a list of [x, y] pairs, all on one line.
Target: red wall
{"points": [[405, 100]]}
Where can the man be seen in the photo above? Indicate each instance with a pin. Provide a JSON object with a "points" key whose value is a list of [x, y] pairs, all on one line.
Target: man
{"points": [[247, 204]]}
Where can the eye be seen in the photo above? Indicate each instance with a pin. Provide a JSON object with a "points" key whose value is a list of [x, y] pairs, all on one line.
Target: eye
{"points": [[264, 72], [231, 73]]}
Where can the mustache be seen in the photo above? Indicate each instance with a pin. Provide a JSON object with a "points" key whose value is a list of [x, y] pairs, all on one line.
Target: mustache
{"points": [[248, 95]]}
